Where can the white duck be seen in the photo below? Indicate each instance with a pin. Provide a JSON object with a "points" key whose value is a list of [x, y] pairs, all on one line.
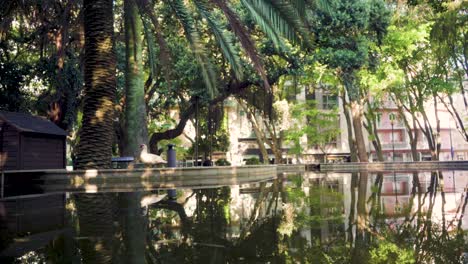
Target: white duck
{"points": [[149, 158]]}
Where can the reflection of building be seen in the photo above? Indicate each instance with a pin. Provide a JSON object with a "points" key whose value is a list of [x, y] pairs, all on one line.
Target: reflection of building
{"points": [[332, 191], [397, 194], [396, 197], [35, 219]]}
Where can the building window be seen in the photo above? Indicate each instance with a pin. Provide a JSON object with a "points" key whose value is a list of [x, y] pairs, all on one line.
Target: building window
{"points": [[329, 101], [398, 156], [378, 118], [309, 93]]}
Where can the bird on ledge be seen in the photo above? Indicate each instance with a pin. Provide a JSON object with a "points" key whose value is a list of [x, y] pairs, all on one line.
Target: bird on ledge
{"points": [[149, 158]]}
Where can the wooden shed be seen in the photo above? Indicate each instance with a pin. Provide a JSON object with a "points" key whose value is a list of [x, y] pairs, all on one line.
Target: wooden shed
{"points": [[29, 143]]}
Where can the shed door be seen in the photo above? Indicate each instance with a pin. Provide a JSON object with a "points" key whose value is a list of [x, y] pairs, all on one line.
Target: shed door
{"points": [[42, 152]]}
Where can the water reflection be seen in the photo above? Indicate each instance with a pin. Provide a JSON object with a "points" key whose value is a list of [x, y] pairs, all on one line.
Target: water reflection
{"points": [[306, 218]]}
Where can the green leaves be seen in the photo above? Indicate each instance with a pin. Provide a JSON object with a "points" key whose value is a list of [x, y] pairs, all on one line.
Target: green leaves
{"points": [[320, 127], [209, 76], [223, 38], [280, 17]]}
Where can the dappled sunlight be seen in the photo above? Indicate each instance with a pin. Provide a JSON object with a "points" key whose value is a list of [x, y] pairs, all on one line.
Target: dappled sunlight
{"points": [[104, 45], [153, 178], [90, 188], [104, 108], [77, 181], [93, 173], [3, 158], [148, 172]]}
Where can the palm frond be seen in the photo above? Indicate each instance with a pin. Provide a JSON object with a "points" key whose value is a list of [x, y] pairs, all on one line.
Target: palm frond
{"points": [[165, 59], [193, 37], [223, 40], [151, 49], [285, 17], [245, 40], [265, 24]]}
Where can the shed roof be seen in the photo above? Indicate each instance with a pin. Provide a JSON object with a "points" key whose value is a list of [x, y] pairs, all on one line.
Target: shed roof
{"points": [[29, 123]]}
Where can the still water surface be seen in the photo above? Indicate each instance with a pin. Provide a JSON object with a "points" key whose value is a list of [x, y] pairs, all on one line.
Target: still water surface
{"points": [[297, 218]]}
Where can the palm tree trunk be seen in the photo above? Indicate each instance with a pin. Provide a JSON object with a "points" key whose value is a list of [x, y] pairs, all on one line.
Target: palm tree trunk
{"points": [[95, 147], [136, 132], [94, 150]]}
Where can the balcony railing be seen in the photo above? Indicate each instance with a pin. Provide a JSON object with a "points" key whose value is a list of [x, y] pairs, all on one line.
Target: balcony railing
{"points": [[398, 145]]}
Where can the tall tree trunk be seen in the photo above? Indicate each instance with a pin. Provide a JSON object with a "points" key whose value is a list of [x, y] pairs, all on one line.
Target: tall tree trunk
{"points": [[455, 113], [410, 130], [94, 150], [371, 128], [95, 147], [136, 132], [431, 136], [349, 82], [275, 141], [358, 133], [437, 138], [377, 143], [258, 133], [351, 142]]}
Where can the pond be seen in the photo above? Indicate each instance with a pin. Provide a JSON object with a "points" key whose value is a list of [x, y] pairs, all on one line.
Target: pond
{"points": [[392, 217]]}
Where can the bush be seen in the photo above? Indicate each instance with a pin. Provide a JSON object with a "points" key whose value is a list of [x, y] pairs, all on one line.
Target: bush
{"points": [[252, 161], [222, 162]]}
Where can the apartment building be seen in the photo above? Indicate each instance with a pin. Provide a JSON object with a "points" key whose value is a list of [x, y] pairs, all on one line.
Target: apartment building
{"points": [[244, 145], [396, 142]]}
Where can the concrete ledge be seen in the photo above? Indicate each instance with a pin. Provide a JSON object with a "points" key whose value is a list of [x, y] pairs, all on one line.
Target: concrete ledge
{"points": [[143, 179], [290, 168], [391, 166]]}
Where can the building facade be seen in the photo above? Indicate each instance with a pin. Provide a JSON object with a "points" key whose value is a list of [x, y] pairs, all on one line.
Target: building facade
{"points": [[244, 145], [396, 141]]}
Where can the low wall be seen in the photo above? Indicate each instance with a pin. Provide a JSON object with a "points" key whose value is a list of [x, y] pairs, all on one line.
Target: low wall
{"points": [[391, 166], [290, 168], [114, 180]]}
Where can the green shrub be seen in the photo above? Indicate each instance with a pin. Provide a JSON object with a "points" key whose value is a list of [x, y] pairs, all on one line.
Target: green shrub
{"points": [[222, 162], [252, 161]]}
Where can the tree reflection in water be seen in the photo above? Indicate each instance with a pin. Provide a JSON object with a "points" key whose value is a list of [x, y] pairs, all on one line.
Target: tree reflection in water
{"points": [[307, 218]]}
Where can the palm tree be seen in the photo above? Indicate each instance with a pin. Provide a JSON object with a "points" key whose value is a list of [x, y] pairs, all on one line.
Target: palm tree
{"points": [[94, 149], [136, 132], [275, 18]]}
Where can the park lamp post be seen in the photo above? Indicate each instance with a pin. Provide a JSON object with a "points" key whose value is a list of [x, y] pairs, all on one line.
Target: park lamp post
{"points": [[397, 207], [452, 152], [392, 123]]}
